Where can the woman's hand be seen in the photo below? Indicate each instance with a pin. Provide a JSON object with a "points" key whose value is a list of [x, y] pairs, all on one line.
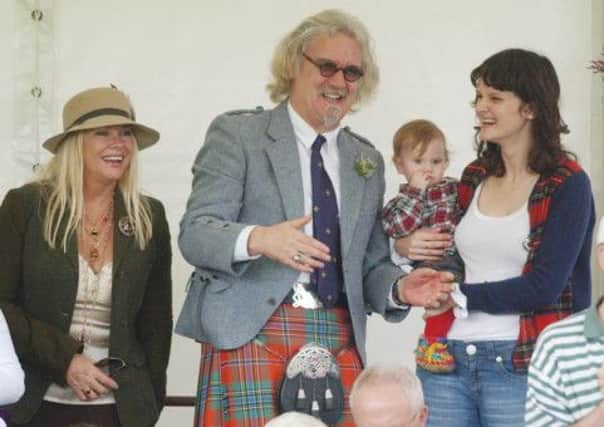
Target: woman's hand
{"points": [[86, 380], [425, 244]]}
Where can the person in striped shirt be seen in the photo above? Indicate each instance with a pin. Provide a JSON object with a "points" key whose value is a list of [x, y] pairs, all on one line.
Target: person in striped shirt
{"points": [[600, 244], [566, 373]]}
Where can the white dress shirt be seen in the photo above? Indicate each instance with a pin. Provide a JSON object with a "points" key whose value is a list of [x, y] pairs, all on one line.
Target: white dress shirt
{"points": [[305, 136]]}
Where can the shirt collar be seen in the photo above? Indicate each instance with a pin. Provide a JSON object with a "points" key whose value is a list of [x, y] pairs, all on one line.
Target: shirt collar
{"points": [[594, 328], [305, 134]]}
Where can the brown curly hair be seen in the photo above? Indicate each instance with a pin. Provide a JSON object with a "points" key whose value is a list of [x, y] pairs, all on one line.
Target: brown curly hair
{"points": [[533, 79]]}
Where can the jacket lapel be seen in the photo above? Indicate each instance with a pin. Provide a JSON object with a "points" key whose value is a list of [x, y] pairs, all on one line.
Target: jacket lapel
{"points": [[284, 159], [72, 252], [72, 243], [352, 188], [122, 245]]}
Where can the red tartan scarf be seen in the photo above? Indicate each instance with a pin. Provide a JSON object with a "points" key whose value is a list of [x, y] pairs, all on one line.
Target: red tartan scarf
{"points": [[531, 323]]}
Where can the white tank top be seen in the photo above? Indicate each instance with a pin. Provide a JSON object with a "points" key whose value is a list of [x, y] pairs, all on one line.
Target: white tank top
{"points": [[492, 249]]}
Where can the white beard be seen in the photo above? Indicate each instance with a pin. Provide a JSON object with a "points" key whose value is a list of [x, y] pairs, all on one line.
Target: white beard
{"points": [[332, 117]]}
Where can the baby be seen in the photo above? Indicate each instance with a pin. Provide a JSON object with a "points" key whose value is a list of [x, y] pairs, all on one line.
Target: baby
{"points": [[428, 199]]}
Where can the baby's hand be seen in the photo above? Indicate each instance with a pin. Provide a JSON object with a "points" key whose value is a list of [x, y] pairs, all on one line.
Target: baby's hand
{"points": [[447, 305], [420, 180]]}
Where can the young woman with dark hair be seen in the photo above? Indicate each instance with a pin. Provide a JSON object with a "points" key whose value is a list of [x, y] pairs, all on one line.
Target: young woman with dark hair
{"points": [[525, 239]]}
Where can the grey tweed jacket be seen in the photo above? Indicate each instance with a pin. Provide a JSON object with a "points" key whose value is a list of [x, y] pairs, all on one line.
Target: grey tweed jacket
{"points": [[248, 172]]}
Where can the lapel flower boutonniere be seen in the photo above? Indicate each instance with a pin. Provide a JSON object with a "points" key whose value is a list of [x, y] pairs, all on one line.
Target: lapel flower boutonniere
{"points": [[364, 166]]}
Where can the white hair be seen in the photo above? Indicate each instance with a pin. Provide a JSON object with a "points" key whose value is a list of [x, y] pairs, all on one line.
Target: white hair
{"points": [[409, 384], [288, 53], [295, 419]]}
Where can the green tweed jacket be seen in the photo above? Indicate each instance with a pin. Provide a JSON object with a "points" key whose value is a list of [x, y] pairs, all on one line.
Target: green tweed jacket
{"points": [[37, 294]]}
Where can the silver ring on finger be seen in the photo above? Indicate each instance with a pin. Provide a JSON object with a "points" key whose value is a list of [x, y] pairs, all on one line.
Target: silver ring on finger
{"points": [[297, 258]]}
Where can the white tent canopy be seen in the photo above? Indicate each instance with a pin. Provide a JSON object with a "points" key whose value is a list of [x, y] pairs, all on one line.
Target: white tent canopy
{"points": [[183, 62]]}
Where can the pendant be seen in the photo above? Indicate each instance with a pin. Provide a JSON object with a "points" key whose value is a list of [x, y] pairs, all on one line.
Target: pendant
{"points": [[125, 226], [94, 232]]}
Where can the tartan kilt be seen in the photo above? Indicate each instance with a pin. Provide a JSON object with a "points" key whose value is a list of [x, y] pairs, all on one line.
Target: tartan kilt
{"points": [[240, 387]]}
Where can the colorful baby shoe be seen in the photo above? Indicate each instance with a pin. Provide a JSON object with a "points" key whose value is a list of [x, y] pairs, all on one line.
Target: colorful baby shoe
{"points": [[434, 357]]}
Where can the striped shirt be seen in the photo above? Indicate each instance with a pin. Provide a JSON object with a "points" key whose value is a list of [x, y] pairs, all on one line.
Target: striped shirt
{"points": [[562, 377]]}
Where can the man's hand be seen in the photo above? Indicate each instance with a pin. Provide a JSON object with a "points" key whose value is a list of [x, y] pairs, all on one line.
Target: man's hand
{"points": [[425, 287], [424, 244], [86, 380], [286, 243]]}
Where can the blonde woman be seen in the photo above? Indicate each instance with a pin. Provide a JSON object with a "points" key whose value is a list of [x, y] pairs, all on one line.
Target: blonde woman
{"points": [[85, 274]]}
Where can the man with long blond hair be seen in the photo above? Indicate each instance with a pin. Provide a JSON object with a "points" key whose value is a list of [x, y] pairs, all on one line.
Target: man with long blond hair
{"points": [[283, 229]]}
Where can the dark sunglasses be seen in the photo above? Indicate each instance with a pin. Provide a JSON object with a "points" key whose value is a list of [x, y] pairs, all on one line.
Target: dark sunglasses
{"points": [[329, 68], [111, 364]]}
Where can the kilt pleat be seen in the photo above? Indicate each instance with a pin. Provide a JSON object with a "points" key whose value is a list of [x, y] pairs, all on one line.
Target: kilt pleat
{"points": [[240, 387]]}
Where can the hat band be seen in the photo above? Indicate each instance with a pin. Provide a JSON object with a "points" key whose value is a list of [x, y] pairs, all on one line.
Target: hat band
{"points": [[100, 112]]}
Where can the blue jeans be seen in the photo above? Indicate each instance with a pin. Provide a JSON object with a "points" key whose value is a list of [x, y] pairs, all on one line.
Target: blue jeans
{"points": [[483, 391]]}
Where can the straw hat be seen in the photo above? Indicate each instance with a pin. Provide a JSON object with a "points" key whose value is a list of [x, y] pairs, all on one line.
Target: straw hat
{"points": [[100, 107]]}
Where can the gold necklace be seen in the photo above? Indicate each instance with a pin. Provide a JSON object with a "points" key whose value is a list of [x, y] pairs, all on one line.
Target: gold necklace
{"points": [[89, 299], [96, 239], [91, 296], [93, 226]]}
